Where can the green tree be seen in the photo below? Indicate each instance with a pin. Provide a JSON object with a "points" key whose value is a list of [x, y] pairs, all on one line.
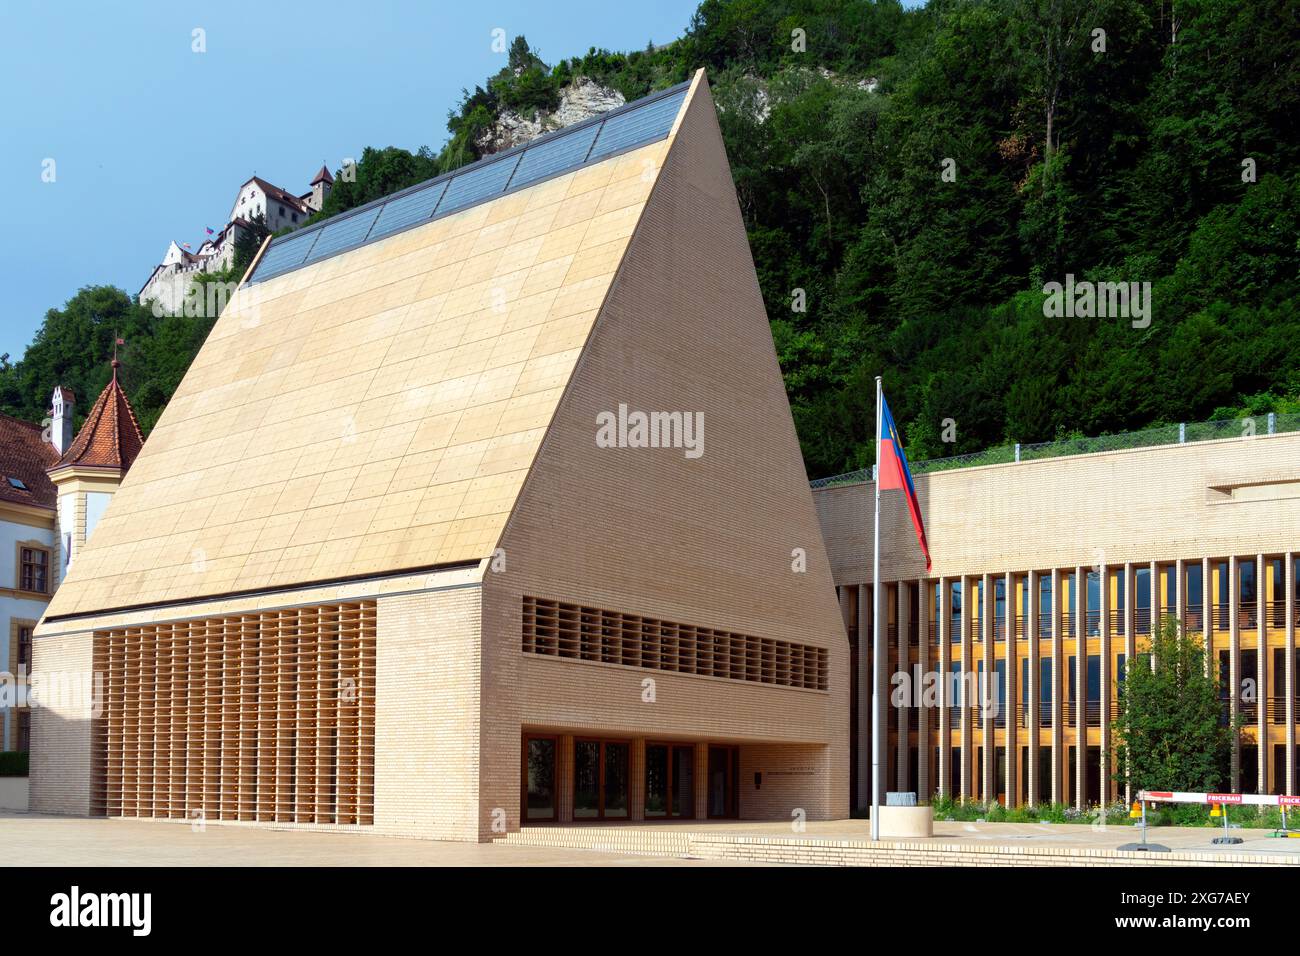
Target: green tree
{"points": [[1170, 733], [247, 244]]}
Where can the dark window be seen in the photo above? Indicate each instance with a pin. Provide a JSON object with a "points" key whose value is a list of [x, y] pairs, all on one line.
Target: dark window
{"points": [[1194, 594], [18, 483], [24, 646], [24, 730], [1247, 570], [35, 569], [1044, 774], [539, 778], [724, 769]]}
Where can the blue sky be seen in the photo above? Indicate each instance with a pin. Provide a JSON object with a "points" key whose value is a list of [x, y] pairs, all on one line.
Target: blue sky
{"points": [[151, 140]]}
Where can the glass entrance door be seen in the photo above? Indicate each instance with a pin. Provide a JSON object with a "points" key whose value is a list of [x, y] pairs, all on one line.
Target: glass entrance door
{"points": [[669, 781], [601, 780], [724, 766]]}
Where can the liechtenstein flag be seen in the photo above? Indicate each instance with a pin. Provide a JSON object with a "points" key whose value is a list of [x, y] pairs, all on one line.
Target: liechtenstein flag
{"points": [[892, 472]]}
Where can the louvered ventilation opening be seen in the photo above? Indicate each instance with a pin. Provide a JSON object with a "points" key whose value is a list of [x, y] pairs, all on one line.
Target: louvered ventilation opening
{"points": [[556, 629], [266, 717]]}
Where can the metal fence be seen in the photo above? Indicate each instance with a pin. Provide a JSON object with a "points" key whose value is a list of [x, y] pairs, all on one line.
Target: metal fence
{"points": [[1179, 434]]}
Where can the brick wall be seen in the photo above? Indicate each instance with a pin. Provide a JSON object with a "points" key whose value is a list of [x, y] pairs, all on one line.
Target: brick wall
{"points": [[428, 714], [61, 737]]}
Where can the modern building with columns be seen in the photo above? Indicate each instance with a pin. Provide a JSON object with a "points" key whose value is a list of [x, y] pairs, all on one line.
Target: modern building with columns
{"points": [[1047, 575], [481, 506]]}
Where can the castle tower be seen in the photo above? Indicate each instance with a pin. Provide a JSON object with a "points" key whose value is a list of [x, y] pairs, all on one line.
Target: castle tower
{"points": [[320, 188], [91, 467]]}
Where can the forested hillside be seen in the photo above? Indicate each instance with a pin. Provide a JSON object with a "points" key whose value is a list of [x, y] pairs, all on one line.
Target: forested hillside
{"points": [[910, 180]]}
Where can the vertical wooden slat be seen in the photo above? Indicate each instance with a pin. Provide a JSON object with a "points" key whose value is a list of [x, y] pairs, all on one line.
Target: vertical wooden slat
{"points": [[161, 721], [267, 652], [366, 784], [131, 731], [305, 734], [326, 661], [176, 798]]}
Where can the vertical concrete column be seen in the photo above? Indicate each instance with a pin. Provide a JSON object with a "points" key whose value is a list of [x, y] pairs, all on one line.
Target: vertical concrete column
{"points": [[1009, 735], [903, 615], [966, 662], [1290, 688], [864, 696], [1058, 684], [1179, 597], [1130, 640], [944, 611], [988, 788], [701, 781], [1104, 698], [1207, 621], [881, 783], [1153, 575], [1261, 677], [1032, 795], [1234, 667], [1080, 686], [923, 747]]}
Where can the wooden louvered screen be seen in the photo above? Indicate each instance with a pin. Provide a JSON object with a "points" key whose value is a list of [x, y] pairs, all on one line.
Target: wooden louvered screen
{"points": [[265, 717], [556, 629]]}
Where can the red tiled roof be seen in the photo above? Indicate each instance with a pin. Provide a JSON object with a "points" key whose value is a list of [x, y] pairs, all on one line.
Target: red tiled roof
{"points": [[322, 177], [25, 455], [111, 437], [275, 192]]}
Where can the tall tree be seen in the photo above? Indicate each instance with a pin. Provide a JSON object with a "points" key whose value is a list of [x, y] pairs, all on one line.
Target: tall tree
{"points": [[1170, 732]]}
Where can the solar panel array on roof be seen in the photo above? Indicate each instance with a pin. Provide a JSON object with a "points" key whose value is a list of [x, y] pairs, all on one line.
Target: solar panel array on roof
{"points": [[286, 253], [478, 184], [643, 121], [415, 206], [345, 232]]}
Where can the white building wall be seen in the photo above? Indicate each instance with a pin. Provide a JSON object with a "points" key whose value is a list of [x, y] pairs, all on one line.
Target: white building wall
{"points": [[96, 502], [15, 608]]}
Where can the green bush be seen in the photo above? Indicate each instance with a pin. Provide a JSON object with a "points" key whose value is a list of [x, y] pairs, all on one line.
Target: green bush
{"points": [[13, 763]]}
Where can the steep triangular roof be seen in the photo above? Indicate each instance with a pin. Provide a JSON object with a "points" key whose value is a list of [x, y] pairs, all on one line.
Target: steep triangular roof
{"points": [[110, 436], [322, 177], [377, 409]]}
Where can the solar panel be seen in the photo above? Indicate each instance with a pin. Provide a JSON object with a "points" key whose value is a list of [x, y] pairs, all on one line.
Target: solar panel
{"points": [[344, 233], [404, 210], [285, 253], [553, 156], [477, 184], [645, 125], [636, 124]]}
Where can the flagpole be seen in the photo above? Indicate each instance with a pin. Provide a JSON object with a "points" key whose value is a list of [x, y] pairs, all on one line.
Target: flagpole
{"points": [[876, 645]]}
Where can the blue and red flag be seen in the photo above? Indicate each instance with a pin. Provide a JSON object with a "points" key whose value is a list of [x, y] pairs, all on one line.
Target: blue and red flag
{"points": [[211, 231], [892, 472]]}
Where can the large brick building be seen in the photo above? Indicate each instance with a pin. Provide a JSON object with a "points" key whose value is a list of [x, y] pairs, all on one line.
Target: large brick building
{"points": [[481, 505], [1048, 576]]}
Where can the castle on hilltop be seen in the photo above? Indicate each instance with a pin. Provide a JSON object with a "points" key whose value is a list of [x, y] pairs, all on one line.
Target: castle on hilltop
{"points": [[278, 208]]}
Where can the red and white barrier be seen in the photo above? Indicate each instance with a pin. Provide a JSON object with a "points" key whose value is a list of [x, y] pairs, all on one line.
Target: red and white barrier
{"points": [[1251, 799]]}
